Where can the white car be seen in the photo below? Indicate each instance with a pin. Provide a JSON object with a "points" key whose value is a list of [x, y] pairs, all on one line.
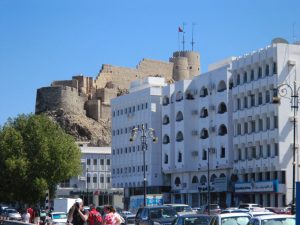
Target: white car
{"points": [[11, 214], [276, 219], [230, 219], [57, 218], [182, 209]]}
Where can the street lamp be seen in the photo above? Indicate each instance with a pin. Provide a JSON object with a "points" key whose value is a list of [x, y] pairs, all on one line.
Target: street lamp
{"points": [[283, 90], [145, 133], [87, 187]]}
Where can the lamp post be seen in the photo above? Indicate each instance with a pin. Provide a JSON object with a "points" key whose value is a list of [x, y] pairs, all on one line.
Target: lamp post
{"points": [[283, 90], [145, 133], [208, 182], [87, 187]]}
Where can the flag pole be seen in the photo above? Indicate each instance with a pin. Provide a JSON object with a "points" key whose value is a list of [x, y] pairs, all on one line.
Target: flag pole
{"points": [[183, 37]]}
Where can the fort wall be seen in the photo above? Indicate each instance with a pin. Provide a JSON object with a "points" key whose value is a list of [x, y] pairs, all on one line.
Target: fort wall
{"points": [[53, 98]]}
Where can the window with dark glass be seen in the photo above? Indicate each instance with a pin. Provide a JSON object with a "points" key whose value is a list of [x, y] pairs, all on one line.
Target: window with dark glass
{"points": [[252, 75], [88, 161], [95, 162], [179, 157], [259, 72]]}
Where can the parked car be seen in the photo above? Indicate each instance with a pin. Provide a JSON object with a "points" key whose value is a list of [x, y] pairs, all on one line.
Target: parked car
{"points": [[129, 219], [249, 206], [273, 220], [278, 210], [57, 218], [11, 214], [192, 219], [213, 209], [234, 210], [230, 219], [182, 208], [155, 214]]}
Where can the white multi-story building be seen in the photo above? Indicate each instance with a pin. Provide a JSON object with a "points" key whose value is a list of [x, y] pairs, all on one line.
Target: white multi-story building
{"points": [[94, 184], [142, 106], [195, 134], [220, 132], [263, 132]]}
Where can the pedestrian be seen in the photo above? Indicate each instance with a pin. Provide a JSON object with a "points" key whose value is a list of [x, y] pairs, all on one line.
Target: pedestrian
{"points": [[26, 216], [95, 217], [110, 218], [30, 211], [77, 215], [36, 215]]}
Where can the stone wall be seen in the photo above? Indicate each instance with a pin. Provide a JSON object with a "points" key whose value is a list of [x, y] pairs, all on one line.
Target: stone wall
{"points": [[60, 97]]}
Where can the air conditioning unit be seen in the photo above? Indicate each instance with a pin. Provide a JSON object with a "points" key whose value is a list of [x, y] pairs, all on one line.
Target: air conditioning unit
{"points": [[212, 129], [194, 132], [195, 153], [212, 107], [195, 112]]}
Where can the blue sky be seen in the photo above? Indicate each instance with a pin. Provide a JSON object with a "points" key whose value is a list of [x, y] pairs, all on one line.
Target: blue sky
{"points": [[43, 40]]}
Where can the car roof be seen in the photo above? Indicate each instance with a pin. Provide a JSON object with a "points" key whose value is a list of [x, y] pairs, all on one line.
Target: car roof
{"points": [[264, 217], [190, 215], [176, 204], [156, 206], [233, 214]]}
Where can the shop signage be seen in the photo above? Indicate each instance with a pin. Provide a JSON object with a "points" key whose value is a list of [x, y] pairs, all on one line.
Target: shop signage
{"points": [[261, 186]]}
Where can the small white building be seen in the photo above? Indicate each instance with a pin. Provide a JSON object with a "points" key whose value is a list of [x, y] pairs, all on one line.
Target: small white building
{"points": [[94, 184]]}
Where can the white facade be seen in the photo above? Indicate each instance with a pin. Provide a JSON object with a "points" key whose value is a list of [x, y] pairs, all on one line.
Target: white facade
{"points": [[141, 106], [95, 179], [263, 132], [224, 118], [195, 128]]}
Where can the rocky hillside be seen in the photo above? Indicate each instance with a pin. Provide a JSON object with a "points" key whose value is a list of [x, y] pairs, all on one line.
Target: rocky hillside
{"points": [[83, 128]]}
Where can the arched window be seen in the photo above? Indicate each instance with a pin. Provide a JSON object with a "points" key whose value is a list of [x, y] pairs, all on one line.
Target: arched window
{"points": [[203, 180], [177, 181], [189, 95], [222, 152], [222, 108], [179, 96], [230, 83], [221, 86], [166, 139], [166, 120], [195, 180], [203, 92], [179, 116], [179, 136], [213, 177], [222, 130], [204, 133], [166, 100], [203, 113], [166, 159]]}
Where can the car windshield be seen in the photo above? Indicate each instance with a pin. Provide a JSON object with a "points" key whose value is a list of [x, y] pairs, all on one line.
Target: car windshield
{"points": [[239, 220], [162, 213], [196, 220], [59, 216], [183, 208], [11, 210], [279, 221]]}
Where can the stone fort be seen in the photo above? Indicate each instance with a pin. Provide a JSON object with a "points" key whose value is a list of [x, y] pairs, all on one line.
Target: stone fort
{"points": [[90, 97]]}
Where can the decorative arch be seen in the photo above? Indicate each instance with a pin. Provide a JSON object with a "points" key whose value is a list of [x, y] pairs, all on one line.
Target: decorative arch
{"points": [[222, 108], [222, 130], [166, 139], [203, 113], [195, 180], [166, 120], [204, 133], [177, 181], [221, 86], [179, 136], [203, 92], [166, 100], [179, 96], [179, 116], [203, 180], [213, 177]]}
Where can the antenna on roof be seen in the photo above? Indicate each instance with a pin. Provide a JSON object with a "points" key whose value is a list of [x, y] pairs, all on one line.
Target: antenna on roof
{"points": [[192, 43], [183, 42]]}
